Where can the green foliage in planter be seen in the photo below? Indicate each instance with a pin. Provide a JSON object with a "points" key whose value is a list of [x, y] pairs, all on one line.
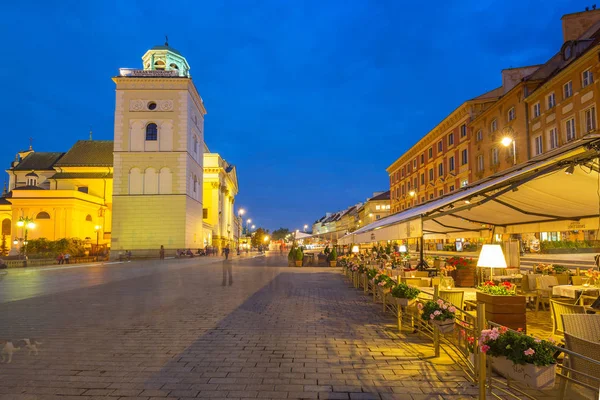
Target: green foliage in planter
{"points": [[388, 249], [403, 291], [44, 248], [327, 250], [292, 254], [502, 289], [371, 272], [332, 256], [561, 269], [299, 254], [384, 281], [517, 347], [568, 245]]}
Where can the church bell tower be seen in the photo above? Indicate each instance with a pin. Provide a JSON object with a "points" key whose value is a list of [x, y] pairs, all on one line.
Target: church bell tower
{"points": [[158, 156]]}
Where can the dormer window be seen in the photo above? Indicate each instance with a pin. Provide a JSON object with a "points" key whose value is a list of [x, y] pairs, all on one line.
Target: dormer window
{"points": [[159, 65], [174, 66], [32, 179]]}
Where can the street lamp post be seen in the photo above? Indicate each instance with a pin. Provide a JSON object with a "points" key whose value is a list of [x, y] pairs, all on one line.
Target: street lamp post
{"points": [[507, 141], [97, 229], [305, 228], [241, 212], [25, 223], [248, 221]]}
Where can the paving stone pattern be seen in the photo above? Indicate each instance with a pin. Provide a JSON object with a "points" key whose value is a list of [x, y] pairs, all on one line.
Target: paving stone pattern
{"points": [[276, 333]]}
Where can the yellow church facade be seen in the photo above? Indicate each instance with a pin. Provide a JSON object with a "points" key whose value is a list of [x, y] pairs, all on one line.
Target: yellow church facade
{"points": [[155, 184]]}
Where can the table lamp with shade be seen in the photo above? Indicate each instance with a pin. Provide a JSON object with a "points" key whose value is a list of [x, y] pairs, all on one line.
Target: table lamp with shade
{"points": [[355, 249], [403, 248], [491, 256]]}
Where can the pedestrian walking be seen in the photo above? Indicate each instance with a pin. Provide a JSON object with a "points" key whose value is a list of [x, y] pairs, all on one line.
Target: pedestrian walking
{"points": [[162, 252], [59, 258], [128, 255], [67, 258], [226, 252]]}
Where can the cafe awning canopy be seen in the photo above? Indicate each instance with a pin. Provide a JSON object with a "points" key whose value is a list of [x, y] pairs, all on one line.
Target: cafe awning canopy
{"points": [[559, 190]]}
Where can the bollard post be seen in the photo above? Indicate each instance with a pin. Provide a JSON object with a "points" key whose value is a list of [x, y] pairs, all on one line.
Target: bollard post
{"points": [[482, 366]]}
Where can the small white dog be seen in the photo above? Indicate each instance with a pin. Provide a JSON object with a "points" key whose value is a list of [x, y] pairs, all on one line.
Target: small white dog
{"points": [[7, 351], [31, 345]]}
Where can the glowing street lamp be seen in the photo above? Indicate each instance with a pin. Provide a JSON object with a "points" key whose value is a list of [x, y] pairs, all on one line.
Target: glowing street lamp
{"points": [[507, 141], [412, 193], [24, 223], [305, 228], [97, 229]]}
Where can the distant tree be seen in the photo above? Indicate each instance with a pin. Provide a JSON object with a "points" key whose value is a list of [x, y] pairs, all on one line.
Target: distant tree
{"points": [[280, 233], [258, 237], [3, 246]]}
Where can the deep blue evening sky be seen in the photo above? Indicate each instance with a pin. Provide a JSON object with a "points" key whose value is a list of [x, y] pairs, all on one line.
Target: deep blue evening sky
{"points": [[312, 100]]}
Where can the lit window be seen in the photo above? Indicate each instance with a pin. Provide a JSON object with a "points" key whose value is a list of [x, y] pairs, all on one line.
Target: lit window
{"points": [[464, 182], [570, 129], [588, 78], [151, 131], [511, 114], [464, 157], [415, 163], [451, 163], [452, 188], [494, 126], [568, 90], [590, 119], [553, 133], [451, 139], [463, 130], [479, 135], [378, 207], [536, 110], [551, 100], [538, 146]]}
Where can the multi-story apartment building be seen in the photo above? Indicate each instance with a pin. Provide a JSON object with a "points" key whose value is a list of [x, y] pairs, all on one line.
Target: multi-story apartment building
{"points": [[376, 207], [563, 106], [507, 118], [439, 163]]}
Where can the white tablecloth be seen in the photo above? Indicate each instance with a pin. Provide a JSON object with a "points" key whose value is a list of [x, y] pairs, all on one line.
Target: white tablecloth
{"points": [[572, 291]]}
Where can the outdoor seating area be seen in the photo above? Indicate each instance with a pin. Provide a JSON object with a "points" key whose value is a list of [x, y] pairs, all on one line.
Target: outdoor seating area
{"points": [[556, 311]]}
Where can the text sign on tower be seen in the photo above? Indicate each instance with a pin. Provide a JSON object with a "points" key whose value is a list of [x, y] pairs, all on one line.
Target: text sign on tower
{"points": [[147, 73]]}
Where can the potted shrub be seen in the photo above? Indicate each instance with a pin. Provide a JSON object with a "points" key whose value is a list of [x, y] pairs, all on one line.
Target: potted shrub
{"points": [[332, 257], [439, 313], [292, 257], [502, 305], [299, 257], [465, 273], [520, 357], [405, 295]]}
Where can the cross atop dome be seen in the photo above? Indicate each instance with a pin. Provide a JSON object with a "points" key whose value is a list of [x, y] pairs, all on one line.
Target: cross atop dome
{"points": [[165, 58]]}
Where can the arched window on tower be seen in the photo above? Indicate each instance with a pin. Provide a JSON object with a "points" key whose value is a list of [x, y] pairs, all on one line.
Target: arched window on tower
{"points": [[151, 131], [159, 64], [43, 215], [174, 66], [88, 218], [6, 226]]}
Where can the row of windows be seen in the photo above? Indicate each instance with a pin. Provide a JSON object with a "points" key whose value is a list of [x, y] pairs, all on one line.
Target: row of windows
{"points": [[464, 160], [587, 78], [589, 125]]}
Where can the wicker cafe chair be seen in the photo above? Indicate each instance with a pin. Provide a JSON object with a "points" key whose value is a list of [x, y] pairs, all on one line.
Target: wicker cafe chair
{"points": [[529, 292], [581, 370], [558, 310], [455, 297], [585, 326], [544, 286], [578, 280]]}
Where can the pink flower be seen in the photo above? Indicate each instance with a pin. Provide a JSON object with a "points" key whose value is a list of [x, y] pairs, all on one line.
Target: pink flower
{"points": [[493, 335], [431, 316], [437, 312], [537, 340], [440, 301], [485, 348], [529, 352], [444, 306], [452, 309], [420, 306]]}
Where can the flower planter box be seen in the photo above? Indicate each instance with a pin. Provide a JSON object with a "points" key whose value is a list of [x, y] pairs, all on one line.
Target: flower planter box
{"points": [[332, 263], [508, 311], [465, 277], [298, 263], [445, 326], [528, 374], [403, 302]]}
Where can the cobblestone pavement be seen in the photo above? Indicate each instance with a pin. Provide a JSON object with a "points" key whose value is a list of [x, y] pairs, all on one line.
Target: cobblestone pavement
{"points": [[277, 332]]}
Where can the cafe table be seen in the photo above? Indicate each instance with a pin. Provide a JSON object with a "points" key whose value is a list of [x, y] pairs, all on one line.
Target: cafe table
{"points": [[573, 291]]}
